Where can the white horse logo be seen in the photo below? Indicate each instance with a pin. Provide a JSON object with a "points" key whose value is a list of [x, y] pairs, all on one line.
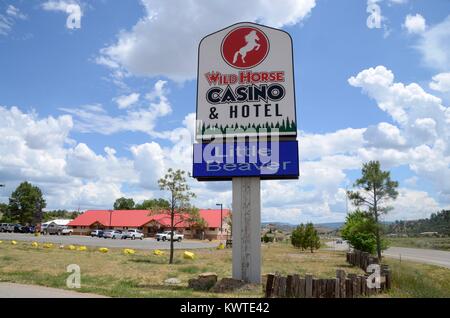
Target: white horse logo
{"points": [[252, 44]]}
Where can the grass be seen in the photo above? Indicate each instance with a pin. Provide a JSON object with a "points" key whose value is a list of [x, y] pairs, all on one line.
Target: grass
{"points": [[418, 280], [435, 243], [142, 275]]}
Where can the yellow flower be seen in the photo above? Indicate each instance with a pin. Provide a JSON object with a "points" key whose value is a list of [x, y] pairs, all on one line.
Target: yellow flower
{"points": [[188, 255], [82, 248], [129, 251], [103, 250], [1, 242], [13, 242], [34, 244], [221, 246], [48, 245], [158, 252], [72, 247]]}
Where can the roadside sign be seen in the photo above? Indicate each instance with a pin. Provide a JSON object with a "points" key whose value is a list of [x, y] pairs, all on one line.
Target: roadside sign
{"points": [[267, 160], [246, 83], [246, 126]]}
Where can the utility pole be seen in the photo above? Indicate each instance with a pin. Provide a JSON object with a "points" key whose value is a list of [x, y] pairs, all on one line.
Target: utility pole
{"points": [[221, 217]]}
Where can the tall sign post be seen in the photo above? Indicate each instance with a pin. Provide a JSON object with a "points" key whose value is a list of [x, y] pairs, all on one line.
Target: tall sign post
{"points": [[246, 126]]}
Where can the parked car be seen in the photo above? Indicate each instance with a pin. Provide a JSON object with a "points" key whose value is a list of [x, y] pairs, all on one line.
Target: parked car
{"points": [[97, 233], [44, 228], [28, 229], [113, 234], [65, 230], [133, 234], [23, 229], [18, 228], [53, 228], [9, 228], [165, 236], [3, 227]]}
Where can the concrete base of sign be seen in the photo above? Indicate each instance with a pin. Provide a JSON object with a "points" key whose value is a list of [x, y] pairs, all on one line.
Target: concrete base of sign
{"points": [[247, 229]]}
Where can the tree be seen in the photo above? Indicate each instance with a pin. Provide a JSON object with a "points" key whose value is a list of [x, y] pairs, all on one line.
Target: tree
{"points": [[375, 190], [26, 204], [153, 204], [305, 237], [59, 214], [180, 210], [4, 212], [360, 231], [311, 240], [124, 204], [298, 237]]}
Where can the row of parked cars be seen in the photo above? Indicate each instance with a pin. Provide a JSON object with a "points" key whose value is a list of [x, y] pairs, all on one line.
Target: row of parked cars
{"points": [[117, 234], [51, 229], [134, 234], [16, 228]]}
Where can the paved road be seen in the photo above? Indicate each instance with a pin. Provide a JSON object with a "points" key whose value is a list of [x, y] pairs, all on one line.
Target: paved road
{"points": [[434, 257], [440, 258], [147, 243], [9, 290]]}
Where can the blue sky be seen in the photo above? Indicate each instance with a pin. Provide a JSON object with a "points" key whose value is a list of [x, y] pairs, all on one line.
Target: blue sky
{"points": [[66, 131]]}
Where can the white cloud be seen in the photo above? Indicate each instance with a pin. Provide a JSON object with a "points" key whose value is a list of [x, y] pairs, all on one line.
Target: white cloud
{"points": [[415, 23], [8, 19], [434, 45], [126, 101], [384, 135], [441, 82], [14, 12], [71, 7], [422, 120], [412, 205], [164, 41], [141, 119], [149, 161], [314, 146]]}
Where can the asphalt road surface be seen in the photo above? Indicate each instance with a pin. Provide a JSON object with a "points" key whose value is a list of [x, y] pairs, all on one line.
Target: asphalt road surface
{"points": [[434, 257], [9, 290], [147, 243]]}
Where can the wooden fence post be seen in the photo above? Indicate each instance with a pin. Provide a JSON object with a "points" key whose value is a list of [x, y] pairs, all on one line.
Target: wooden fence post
{"points": [[348, 288], [282, 289], [302, 288], [309, 286], [341, 275], [269, 285]]}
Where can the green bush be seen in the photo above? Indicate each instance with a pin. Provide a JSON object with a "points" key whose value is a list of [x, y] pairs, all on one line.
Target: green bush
{"points": [[359, 230]]}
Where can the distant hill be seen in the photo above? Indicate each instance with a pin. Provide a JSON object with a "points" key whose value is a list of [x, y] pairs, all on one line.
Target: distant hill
{"points": [[437, 222], [332, 225], [287, 227]]}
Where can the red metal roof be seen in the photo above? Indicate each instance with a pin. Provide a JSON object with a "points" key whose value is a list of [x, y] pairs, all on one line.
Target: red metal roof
{"points": [[138, 218]]}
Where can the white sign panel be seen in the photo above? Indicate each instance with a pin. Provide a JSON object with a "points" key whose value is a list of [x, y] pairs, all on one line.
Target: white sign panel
{"points": [[246, 83]]}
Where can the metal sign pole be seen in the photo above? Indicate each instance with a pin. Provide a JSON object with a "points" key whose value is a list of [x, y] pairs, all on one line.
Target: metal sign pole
{"points": [[247, 229]]}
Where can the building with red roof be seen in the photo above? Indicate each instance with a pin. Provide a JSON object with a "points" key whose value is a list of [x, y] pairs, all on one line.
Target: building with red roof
{"points": [[150, 223]]}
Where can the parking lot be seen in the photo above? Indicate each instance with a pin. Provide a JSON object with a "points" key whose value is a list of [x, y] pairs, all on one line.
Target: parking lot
{"points": [[147, 243]]}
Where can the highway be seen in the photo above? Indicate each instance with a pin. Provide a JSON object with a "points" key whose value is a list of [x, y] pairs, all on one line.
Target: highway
{"points": [[427, 256]]}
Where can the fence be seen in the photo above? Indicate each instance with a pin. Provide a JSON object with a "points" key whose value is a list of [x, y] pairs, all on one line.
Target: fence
{"points": [[343, 286], [361, 259]]}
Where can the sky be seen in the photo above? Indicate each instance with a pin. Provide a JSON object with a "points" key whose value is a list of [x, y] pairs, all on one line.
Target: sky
{"points": [[98, 99]]}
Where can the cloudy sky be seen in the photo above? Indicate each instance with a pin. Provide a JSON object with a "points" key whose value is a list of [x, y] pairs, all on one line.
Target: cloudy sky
{"points": [[97, 99]]}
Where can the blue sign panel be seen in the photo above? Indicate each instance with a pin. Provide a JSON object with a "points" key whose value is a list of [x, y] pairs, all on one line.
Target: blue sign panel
{"points": [[267, 160]]}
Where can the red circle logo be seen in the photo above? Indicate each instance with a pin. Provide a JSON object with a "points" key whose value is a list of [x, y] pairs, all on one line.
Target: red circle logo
{"points": [[245, 47]]}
